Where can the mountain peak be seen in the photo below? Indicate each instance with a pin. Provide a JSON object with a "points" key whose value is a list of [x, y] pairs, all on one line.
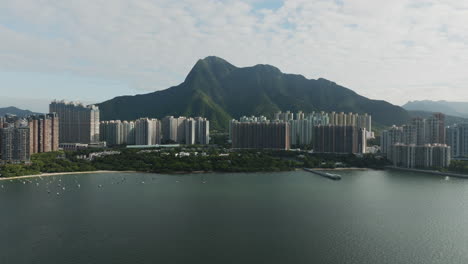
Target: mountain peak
{"points": [[211, 65], [216, 89], [214, 59]]}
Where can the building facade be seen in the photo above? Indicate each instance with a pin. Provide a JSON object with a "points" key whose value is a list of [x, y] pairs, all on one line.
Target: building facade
{"points": [[435, 129], [421, 156], [339, 139], [457, 139], [260, 135], [77, 123], [44, 133], [169, 129], [389, 138], [15, 145], [148, 131], [421, 143]]}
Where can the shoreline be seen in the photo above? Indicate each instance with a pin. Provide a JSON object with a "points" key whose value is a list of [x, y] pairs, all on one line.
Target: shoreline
{"points": [[340, 169], [63, 173], [432, 172], [173, 173]]}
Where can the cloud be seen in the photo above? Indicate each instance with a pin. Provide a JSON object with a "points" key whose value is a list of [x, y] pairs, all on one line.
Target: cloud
{"points": [[394, 50]]}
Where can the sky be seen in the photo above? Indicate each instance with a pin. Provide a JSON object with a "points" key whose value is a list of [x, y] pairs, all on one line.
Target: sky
{"points": [[94, 50]]}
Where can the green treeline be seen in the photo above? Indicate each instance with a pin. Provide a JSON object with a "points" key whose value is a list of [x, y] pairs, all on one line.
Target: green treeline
{"points": [[460, 166], [331, 160], [157, 162], [199, 159]]}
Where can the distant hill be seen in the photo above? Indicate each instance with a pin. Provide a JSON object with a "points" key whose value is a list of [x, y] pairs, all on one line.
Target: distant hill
{"points": [[15, 111], [220, 91], [449, 119], [449, 108]]}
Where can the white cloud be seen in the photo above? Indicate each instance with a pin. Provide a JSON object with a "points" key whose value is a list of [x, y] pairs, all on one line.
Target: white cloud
{"points": [[394, 50]]}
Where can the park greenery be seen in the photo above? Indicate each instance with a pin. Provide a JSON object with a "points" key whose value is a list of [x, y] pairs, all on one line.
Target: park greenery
{"points": [[459, 166], [157, 161], [187, 159]]}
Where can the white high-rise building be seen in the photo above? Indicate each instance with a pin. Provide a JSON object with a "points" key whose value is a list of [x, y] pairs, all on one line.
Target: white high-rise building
{"points": [[202, 131], [128, 132], [190, 128], [301, 132], [181, 129], [169, 129], [147, 131]]}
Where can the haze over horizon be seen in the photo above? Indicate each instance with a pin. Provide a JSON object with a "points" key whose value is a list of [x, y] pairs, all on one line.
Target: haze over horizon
{"points": [[92, 51]]}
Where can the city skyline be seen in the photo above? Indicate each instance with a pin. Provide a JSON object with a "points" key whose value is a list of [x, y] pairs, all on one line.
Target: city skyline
{"points": [[415, 54]]}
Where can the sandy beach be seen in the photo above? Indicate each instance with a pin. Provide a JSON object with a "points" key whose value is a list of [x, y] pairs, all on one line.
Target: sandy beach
{"points": [[58, 173]]}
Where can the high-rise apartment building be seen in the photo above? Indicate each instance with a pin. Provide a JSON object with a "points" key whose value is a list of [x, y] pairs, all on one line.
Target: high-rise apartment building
{"points": [[181, 130], [111, 132], [77, 123], [389, 138], [169, 129], [301, 132], [339, 139], [457, 139], [15, 145], [190, 131], [128, 132], [435, 129], [404, 155], [202, 131], [2, 124], [260, 135], [409, 135], [285, 117], [197, 131], [147, 131], [419, 126], [419, 144], [44, 133], [422, 156], [320, 118]]}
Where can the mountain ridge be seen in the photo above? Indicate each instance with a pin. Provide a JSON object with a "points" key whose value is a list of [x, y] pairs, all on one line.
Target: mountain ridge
{"points": [[459, 109], [12, 110], [449, 119], [220, 91]]}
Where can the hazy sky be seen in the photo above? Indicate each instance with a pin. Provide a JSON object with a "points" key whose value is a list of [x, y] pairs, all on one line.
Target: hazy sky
{"points": [[93, 50]]}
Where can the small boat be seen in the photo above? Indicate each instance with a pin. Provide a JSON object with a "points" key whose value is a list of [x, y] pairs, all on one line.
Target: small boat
{"points": [[333, 176], [447, 178]]}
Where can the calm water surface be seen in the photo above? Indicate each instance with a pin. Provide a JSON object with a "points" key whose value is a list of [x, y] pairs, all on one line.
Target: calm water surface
{"points": [[293, 217]]}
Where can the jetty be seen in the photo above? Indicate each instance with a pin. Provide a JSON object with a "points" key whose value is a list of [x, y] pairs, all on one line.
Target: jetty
{"points": [[327, 175]]}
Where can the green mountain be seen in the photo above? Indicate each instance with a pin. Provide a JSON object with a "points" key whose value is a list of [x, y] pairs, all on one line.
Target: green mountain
{"points": [[221, 91], [11, 110]]}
